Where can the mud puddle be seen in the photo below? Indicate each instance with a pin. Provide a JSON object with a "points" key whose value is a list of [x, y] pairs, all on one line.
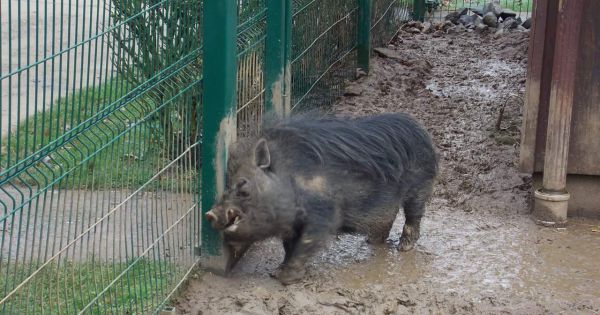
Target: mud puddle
{"points": [[479, 252]]}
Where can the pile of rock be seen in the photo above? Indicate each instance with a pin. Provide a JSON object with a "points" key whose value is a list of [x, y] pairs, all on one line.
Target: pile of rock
{"points": [[491, 17]]}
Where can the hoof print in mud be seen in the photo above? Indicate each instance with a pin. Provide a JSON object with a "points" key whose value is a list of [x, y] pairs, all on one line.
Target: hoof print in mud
{"points": [[304, 178]]}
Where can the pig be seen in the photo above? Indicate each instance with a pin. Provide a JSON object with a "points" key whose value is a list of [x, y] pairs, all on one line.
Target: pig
{"points": [[304, 178]]}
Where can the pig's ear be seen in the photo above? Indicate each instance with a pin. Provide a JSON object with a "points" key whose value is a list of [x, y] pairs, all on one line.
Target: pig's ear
{"points": [[262, 156]]}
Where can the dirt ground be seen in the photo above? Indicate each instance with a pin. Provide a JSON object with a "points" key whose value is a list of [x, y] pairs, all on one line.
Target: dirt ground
{"points": [[479, 253]]}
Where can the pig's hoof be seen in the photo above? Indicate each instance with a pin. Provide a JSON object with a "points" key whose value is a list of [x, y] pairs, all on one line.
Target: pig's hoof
{"points": [[409, 238], [289, 275], [406, 244]]}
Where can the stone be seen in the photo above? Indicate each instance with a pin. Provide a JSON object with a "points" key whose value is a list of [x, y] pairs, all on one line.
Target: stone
{"points": [[456, 29], [478, 24], [413, 30], [353, 90], [443, 26], [527, 23], [481, 27], [492, 7], [490, 19], [509, 24], [452, 17], [426, 27], [455, 16], [467, 20], [416, 24], [478, 11], [477, 20], [360, 73], [387, 53], [506, 13]]}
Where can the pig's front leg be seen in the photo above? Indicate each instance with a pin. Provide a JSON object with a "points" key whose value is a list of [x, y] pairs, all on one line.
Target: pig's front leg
{"points": [[234, 252], [311, 238]]}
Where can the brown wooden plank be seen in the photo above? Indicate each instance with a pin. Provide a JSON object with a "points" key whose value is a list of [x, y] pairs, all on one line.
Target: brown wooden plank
{"points": [[532, 86], [545, 84], [584, 154]]}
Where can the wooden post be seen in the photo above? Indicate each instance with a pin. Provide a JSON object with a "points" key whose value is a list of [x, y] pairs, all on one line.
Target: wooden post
{"points": [[551, 201]]}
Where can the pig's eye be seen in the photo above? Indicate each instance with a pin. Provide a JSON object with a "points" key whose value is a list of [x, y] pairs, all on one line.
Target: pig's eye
{"points": [[241, 183], [242, 188]]}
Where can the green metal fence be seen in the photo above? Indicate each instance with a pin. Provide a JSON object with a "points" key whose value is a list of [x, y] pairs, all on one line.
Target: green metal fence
{"points": [[114, 111]]}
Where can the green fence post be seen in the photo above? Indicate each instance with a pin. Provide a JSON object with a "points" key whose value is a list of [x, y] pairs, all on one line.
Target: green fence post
{"points": [[219, 110], [419, 10], [287, 57], [364, 34], [275, 57]]}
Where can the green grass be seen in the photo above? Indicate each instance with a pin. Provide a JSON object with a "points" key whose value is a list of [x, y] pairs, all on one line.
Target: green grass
{"points": [[97, 158], [69, 287], [515, 5]]}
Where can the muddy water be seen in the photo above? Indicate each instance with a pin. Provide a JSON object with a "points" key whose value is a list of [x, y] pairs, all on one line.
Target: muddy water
{"points": [[463, 264], [470, 258], [479, 252]]}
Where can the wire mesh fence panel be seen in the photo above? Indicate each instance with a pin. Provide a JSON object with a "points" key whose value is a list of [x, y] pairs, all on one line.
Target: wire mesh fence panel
{"points": [[436, 10], [324, 38], [99, 131], [101, 127], [251, 55], [387, 17]]}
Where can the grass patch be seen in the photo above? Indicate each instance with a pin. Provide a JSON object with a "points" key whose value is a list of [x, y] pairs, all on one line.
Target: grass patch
{"points": [[70, 287], [516, 5], [121, 151]]}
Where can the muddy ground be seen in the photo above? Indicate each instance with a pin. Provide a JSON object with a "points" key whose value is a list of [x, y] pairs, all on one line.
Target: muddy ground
{"points": [[479, 253]]}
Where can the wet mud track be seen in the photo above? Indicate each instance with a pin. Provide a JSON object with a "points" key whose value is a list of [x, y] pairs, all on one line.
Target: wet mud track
{"points": [[479, 252]]}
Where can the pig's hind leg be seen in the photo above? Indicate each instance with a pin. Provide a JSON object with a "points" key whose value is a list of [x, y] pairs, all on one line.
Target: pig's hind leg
{"points": [[380, 223]]}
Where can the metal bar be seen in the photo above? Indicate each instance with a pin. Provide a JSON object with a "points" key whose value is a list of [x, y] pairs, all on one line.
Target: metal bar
{"points": [[419, 10], [287, 57], [219, 108], [275, 56], [364, 34]]}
